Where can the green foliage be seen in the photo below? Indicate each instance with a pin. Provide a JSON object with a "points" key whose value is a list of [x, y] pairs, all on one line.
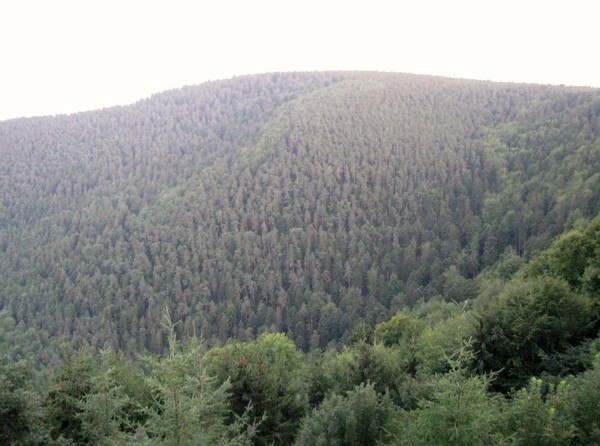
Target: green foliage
{"points": [[531, 320], [581, 398], [505, 268], [188, 406], [459, 411], [546, 167], [19, 406], [108, 414], [361, 333], [387, 369], [574, 257], [125, 379], [537, 416], [69, 386], [103, 410], [455, 287], [400, 328], [267, 379], [360, 417], [567, 258], [446, 328], [103, 399]]}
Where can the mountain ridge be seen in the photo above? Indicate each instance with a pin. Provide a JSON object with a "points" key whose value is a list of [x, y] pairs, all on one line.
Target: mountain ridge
{"points": [[295, 202]]}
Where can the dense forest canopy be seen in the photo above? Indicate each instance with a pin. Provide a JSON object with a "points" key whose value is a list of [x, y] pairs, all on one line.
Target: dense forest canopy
{"points": [[302, 203], [518, 365]]}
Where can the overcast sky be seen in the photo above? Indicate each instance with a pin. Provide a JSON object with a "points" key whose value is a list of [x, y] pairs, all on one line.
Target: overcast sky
{"points": [[64, 56]]}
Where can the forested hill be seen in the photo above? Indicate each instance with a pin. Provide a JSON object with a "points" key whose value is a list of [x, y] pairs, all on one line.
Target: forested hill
{"points": [[301, 203]]}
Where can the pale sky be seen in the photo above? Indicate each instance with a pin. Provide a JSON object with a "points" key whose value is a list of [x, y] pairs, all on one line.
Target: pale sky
{"points": [[64, 56]]}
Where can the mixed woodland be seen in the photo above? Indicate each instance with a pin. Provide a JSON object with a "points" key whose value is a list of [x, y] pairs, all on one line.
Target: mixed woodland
{"points": [[305, 258]]}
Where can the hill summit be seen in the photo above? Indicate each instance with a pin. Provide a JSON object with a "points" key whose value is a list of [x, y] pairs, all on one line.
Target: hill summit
{"points": [[296, 202]]}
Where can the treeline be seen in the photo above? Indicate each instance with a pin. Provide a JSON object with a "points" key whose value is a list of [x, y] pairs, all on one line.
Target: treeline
{"points": [[519, 364], [301, 203]]}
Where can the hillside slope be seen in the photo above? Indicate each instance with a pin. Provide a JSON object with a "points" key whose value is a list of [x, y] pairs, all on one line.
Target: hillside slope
{"points": [[301, 203]]}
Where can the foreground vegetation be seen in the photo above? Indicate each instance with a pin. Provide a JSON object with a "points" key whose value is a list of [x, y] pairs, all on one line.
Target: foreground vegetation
{"points": [[519, 364]]}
